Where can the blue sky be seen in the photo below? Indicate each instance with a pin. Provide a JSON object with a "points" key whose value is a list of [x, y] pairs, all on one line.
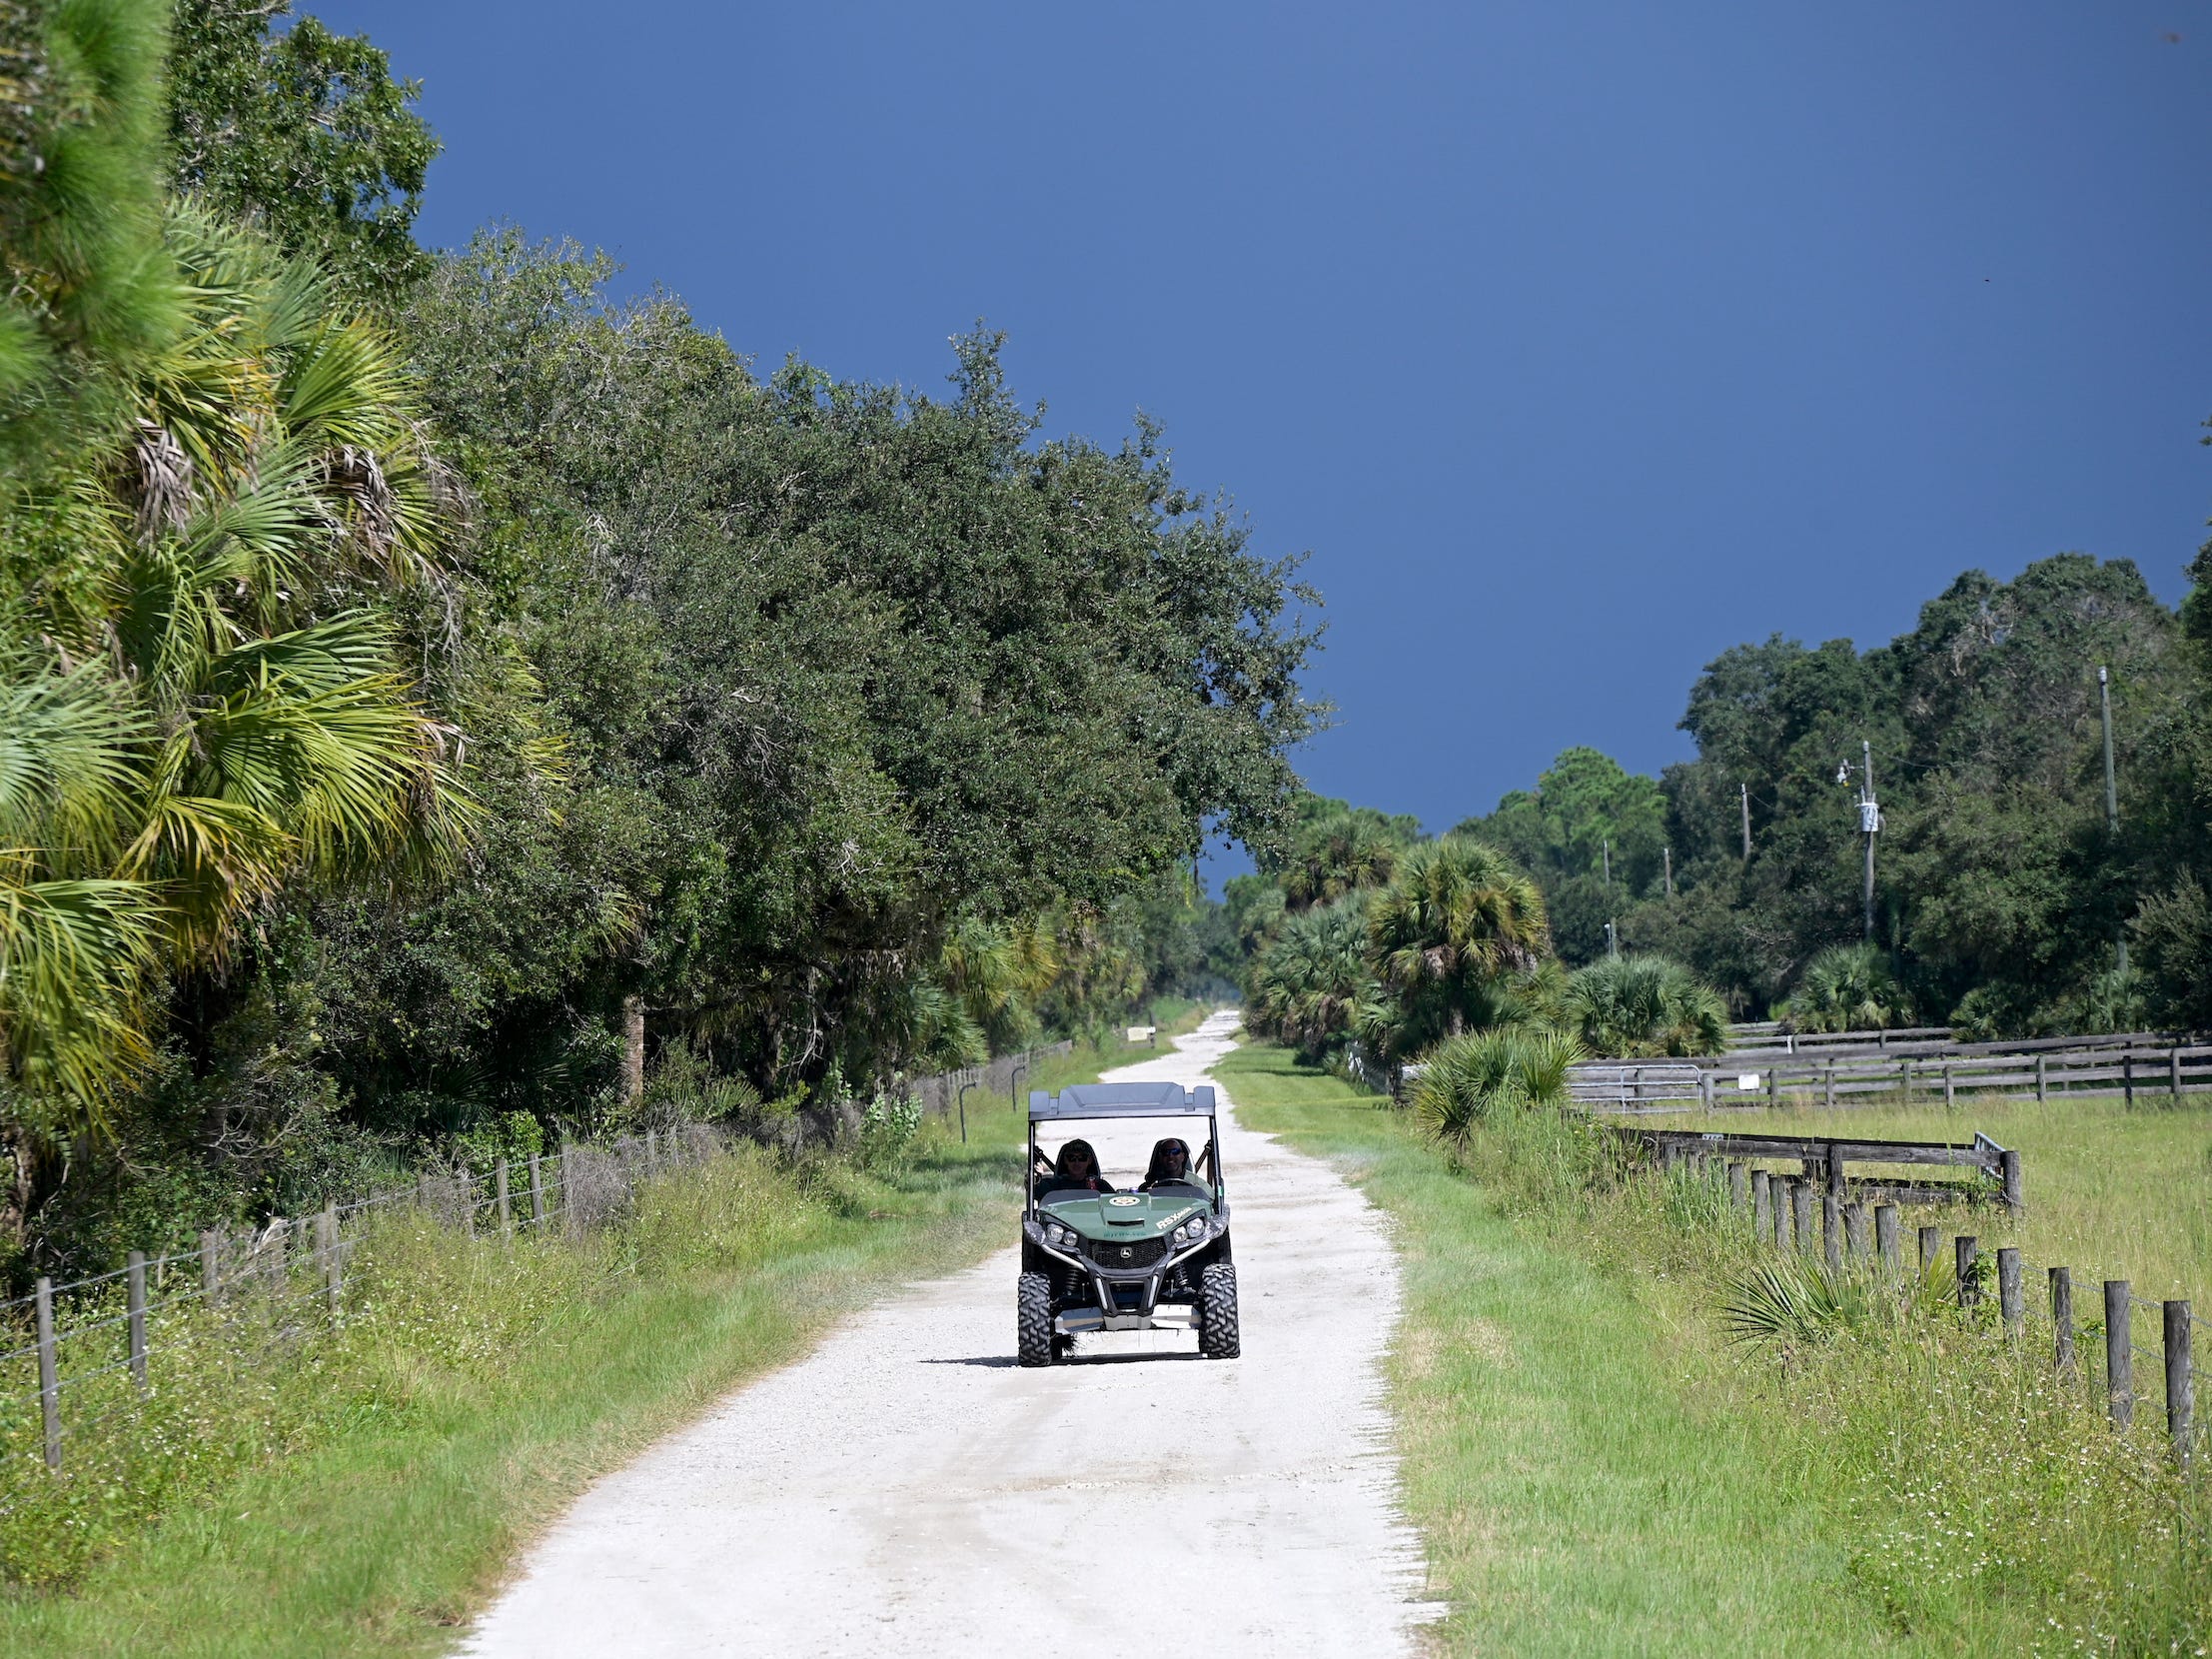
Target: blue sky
{"points": [[1577, 342]]}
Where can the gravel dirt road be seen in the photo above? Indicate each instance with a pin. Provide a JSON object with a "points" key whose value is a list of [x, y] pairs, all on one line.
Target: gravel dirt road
{"points": [[905, 1489]]}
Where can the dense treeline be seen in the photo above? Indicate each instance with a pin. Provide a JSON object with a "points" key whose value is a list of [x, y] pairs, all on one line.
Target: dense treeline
{"points": [[2001, 897], [438, 689], [2003, 900]]}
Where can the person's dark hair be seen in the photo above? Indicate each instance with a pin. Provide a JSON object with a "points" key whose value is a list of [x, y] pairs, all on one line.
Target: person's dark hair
{"points": [[1060, 1163], [1157, 1169]]}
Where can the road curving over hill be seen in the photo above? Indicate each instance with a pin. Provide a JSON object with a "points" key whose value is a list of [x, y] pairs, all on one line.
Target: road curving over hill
{"points": [[907, 1490]]}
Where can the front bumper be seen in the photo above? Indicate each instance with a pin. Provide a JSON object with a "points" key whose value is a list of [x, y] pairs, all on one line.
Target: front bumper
{"points": [[1173, 1316]]}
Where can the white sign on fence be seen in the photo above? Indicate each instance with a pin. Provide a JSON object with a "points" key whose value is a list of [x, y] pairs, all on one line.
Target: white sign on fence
{"points": [[1750, 1079]]}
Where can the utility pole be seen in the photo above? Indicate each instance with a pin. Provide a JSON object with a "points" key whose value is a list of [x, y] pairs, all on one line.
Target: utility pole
{"points": [[1745, 791], [1869, 822], [1667, 856], [1605, 851], [2111, 795], [1613, 939]]}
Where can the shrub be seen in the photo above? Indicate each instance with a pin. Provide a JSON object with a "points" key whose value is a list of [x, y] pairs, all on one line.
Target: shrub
{"points": [[1467, 1080], [1847, 988], [1639, 1006]]}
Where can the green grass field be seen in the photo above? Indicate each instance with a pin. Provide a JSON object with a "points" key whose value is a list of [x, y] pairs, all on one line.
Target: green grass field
{"points": [[2113, 1193], [1594, 1473]]}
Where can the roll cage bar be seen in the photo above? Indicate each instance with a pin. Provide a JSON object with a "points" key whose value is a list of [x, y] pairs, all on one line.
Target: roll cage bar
{"points": [[1094, 1103]]}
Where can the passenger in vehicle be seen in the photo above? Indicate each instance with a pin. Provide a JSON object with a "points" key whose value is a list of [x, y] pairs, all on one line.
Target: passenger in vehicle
{"points": [[1171, 1161], [1075, 1170]]}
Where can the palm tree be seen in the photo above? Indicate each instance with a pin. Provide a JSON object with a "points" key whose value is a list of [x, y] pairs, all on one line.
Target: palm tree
{"points": [[1635, 1006], [215, 703], [1309, 987], [1342, 853], [1457, 916]]}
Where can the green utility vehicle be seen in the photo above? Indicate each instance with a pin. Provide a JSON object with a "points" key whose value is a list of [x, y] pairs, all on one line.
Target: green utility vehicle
{"points": [[1150, 1259]]}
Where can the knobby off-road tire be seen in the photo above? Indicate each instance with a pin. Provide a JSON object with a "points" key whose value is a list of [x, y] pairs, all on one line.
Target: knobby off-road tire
{"points": [[1033, 1342], [1217, 1312]]}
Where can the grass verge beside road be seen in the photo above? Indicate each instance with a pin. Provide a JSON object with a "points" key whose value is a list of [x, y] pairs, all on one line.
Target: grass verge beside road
{"points": [[370, 1495], [1592, 1473]]}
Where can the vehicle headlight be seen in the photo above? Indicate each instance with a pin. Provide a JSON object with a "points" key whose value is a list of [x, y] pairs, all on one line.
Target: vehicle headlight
{"points": [[1057, 1237], [1193, 1230]]}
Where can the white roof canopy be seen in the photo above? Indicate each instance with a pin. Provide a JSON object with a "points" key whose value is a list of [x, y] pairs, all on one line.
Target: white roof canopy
{"points": [[1094, 1101]]}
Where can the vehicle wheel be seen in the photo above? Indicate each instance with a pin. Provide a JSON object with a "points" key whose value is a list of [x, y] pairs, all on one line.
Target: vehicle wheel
{"points": [[1033, 1320], [1217, 1312]]}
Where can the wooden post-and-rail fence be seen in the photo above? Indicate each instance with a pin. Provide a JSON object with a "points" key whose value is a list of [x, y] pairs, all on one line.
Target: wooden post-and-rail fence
{"points": [[2038, 1069], [1778, 1207]]}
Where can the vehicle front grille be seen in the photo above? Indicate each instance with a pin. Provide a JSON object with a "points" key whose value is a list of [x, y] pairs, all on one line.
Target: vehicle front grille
{"points": [[1130, 1253]]}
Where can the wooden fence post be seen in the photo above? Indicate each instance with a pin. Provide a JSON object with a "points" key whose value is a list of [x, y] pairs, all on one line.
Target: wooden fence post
{"points": [[2062, 1320], [652, 1152], [2008, 1164], [135, 1314], [1785, 1206], [1885, 1240], [1827, 1085], [211, 1266], [1855, 1228], [1950, 1095], [1905, 1079], [1931, 1247], [1773, 1085], [2041, 1080], [333, 1260], [1738, 1185], [49, 1381], [2173, 1073], [1763, 1214], [498, 1197], [1966, 1250], [1800, 1214], [1705, 1096], [275, 1251], [2119, 1354], [2127, 1079], [2181, 1390], [1832, 1232], [2009, 1291]]}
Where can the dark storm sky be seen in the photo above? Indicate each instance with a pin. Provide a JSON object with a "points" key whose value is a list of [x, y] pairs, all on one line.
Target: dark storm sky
{"points": [[1577, 342]]}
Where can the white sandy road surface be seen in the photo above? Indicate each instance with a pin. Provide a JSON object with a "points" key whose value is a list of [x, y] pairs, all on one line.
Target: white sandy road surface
{"points": [[906, 1489]]}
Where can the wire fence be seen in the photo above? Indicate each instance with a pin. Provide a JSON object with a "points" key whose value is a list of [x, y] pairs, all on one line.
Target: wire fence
{"points": [[76, 1355], [947, 1094], [2101, 1350]]}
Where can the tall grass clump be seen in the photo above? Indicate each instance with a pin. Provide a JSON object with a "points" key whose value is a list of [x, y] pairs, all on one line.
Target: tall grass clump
{"points": [[1979, 1475], [1984, 1487]]}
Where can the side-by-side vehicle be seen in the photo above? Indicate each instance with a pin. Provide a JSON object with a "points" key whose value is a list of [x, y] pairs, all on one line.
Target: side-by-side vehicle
{"points": [[1156, 1258]]}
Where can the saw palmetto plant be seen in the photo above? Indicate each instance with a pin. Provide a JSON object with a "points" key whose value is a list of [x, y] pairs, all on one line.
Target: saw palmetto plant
{"points": [[1639, 1005], [1470, 1079], [206, 698]]}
